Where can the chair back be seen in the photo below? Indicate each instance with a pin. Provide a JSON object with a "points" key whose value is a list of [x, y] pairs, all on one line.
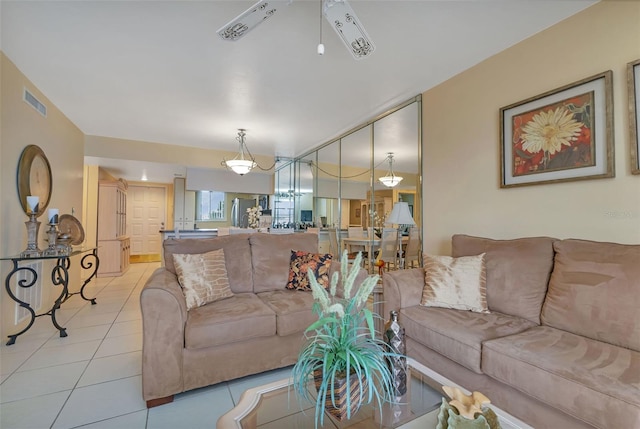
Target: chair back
{"points": [[333, 242], [389, 246], [355, 232], [412, 252], [370, 232], [313, 230]]}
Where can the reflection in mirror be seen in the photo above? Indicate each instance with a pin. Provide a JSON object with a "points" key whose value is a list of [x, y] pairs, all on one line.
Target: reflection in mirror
{"points": [[399, 134], [304, 201], [343, 177], [328, 185], [356, 177], [283, 201]]}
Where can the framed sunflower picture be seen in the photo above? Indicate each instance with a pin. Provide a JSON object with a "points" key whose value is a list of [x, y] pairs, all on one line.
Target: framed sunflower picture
{"points": [[633, 83], [562, 135]]}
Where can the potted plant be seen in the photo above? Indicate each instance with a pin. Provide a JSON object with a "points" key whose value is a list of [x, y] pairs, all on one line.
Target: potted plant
{"points": [[342, 354]]}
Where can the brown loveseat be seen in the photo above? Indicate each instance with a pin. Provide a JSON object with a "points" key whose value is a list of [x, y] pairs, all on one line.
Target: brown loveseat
{"points": [[561, 345], [258, 329]]}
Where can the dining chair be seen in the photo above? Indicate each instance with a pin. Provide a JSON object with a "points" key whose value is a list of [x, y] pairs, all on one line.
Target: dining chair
{"points": [[388, 251], [333, 242], [412, 252], [356, 232], [335, 249]]}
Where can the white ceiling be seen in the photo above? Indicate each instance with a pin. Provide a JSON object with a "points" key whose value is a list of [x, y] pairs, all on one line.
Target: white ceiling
{"points": [[157, 71]]}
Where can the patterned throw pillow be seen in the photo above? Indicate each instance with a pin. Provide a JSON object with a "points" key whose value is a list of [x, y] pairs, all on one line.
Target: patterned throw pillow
{"points": [[457, 283], [301, 261], [203, 277]]}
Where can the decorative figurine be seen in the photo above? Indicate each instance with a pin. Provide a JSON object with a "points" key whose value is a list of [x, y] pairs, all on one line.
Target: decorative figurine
{"points": [[466, 411]]}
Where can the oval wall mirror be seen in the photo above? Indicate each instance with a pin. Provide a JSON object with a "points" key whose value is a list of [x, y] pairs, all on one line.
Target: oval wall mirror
{"points": [[34, 178]]}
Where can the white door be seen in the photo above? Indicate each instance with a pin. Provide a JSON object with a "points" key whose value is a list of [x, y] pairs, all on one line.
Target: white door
{"points": [[146, 211]]}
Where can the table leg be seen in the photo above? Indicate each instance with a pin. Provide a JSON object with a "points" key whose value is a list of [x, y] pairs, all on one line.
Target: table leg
{"points": [[86, 263], [21, 283], [59, 276]]}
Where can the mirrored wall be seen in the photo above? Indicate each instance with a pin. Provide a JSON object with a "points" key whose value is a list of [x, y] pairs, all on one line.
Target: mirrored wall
{"points": [[337, 185]]}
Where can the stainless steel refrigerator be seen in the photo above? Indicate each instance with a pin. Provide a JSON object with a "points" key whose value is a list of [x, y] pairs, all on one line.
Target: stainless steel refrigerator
{"points": [[239, 208]]}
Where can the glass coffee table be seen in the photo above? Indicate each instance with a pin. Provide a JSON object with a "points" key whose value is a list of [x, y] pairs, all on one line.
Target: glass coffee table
{"points": [[275, 406]]}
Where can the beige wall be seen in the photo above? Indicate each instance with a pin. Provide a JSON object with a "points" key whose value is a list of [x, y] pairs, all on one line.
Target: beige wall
{"points": [[136, 150], [461, 138], [63, 144]]}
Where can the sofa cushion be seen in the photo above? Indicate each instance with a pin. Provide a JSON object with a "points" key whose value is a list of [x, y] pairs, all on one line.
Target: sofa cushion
{"points": [[292, 308], [517, 271], [241, 317], [271, 254], [458, 334], [594, 291], [580, 376], [237, 256], [203, 277], [457, 283], [301, 262]]}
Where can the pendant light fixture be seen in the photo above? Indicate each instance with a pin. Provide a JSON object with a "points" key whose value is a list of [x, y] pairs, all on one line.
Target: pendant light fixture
{"points": [[390, 179], [244, 161]]}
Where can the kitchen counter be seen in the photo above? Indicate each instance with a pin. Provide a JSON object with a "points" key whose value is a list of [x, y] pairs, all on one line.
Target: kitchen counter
{"points": [[189, 233]]}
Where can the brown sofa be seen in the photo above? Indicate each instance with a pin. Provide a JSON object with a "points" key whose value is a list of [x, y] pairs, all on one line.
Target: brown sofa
{"points": [[258, 329], [561, 345]]}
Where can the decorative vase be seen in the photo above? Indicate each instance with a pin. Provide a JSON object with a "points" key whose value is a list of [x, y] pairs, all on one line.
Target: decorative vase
{"points": [[339, 392], [395, 343]]}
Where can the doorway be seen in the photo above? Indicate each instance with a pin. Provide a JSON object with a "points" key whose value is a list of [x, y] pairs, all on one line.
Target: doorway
{"points": [[146, 214]]}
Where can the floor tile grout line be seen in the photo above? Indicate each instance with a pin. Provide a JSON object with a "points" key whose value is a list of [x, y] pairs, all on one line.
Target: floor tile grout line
{"points": [[75, 386], [94, 354], [136, 286]]}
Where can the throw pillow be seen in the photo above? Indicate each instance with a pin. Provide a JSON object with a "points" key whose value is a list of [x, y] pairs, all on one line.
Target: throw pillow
{"points": [[203, 277], [301, 261], [458, 283]]}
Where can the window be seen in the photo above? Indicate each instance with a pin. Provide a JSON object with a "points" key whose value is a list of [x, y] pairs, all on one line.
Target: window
{"points": [[210, 206]]}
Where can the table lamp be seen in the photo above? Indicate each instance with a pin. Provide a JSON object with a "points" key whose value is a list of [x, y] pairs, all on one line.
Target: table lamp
{"points": [[400, 215]]}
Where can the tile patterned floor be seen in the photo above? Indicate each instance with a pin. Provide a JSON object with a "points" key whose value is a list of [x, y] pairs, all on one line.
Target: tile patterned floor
{"points": [[92, 378]]}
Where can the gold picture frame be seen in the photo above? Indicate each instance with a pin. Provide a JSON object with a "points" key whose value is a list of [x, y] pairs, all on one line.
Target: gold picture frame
{"points": [[562, 135], [633, 85]]}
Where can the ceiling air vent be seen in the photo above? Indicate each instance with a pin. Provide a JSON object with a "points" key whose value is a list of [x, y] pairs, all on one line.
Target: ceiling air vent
{"points": [[35, 103]]}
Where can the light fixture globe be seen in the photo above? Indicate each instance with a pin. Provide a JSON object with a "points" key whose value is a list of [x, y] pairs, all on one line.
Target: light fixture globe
{"points": [[240, 166], [390, 179]]}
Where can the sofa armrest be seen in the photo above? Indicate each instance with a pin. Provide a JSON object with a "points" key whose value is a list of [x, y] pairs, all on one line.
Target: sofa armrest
{"points": [[402, 288], [164, 315]]}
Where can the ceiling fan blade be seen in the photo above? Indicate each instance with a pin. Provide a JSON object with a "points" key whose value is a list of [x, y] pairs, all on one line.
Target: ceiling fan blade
{"points": [[246, 21], [348, 27]]}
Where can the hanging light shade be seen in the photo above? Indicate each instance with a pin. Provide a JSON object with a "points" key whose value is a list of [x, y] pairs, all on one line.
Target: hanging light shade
{"points": [[390, 179], [243, 162]]}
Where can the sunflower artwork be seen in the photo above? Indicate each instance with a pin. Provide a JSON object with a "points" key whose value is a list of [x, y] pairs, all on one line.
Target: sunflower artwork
{"points": [[554, 137]]}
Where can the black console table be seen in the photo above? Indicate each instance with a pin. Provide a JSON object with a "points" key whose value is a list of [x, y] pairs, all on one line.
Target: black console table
{"points": [[59, 277]]}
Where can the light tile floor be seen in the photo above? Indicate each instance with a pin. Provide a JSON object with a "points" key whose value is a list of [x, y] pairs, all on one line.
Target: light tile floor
{"points": [[92, 378]]}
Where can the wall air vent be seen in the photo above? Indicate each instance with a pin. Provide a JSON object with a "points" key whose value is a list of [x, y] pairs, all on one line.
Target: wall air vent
{"points": [[35, 103]]}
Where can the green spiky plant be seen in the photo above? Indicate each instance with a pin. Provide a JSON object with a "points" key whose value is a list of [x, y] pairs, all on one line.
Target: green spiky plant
{"points": [[342, 342]]}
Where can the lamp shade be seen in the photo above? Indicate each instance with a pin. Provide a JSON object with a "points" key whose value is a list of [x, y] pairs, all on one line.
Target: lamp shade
{"points": [[390, 181], [241, 166], [400, 214]]}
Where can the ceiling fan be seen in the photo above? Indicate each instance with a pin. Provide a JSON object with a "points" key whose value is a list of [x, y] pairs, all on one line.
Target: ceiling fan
{"points": [[338, 13]]}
